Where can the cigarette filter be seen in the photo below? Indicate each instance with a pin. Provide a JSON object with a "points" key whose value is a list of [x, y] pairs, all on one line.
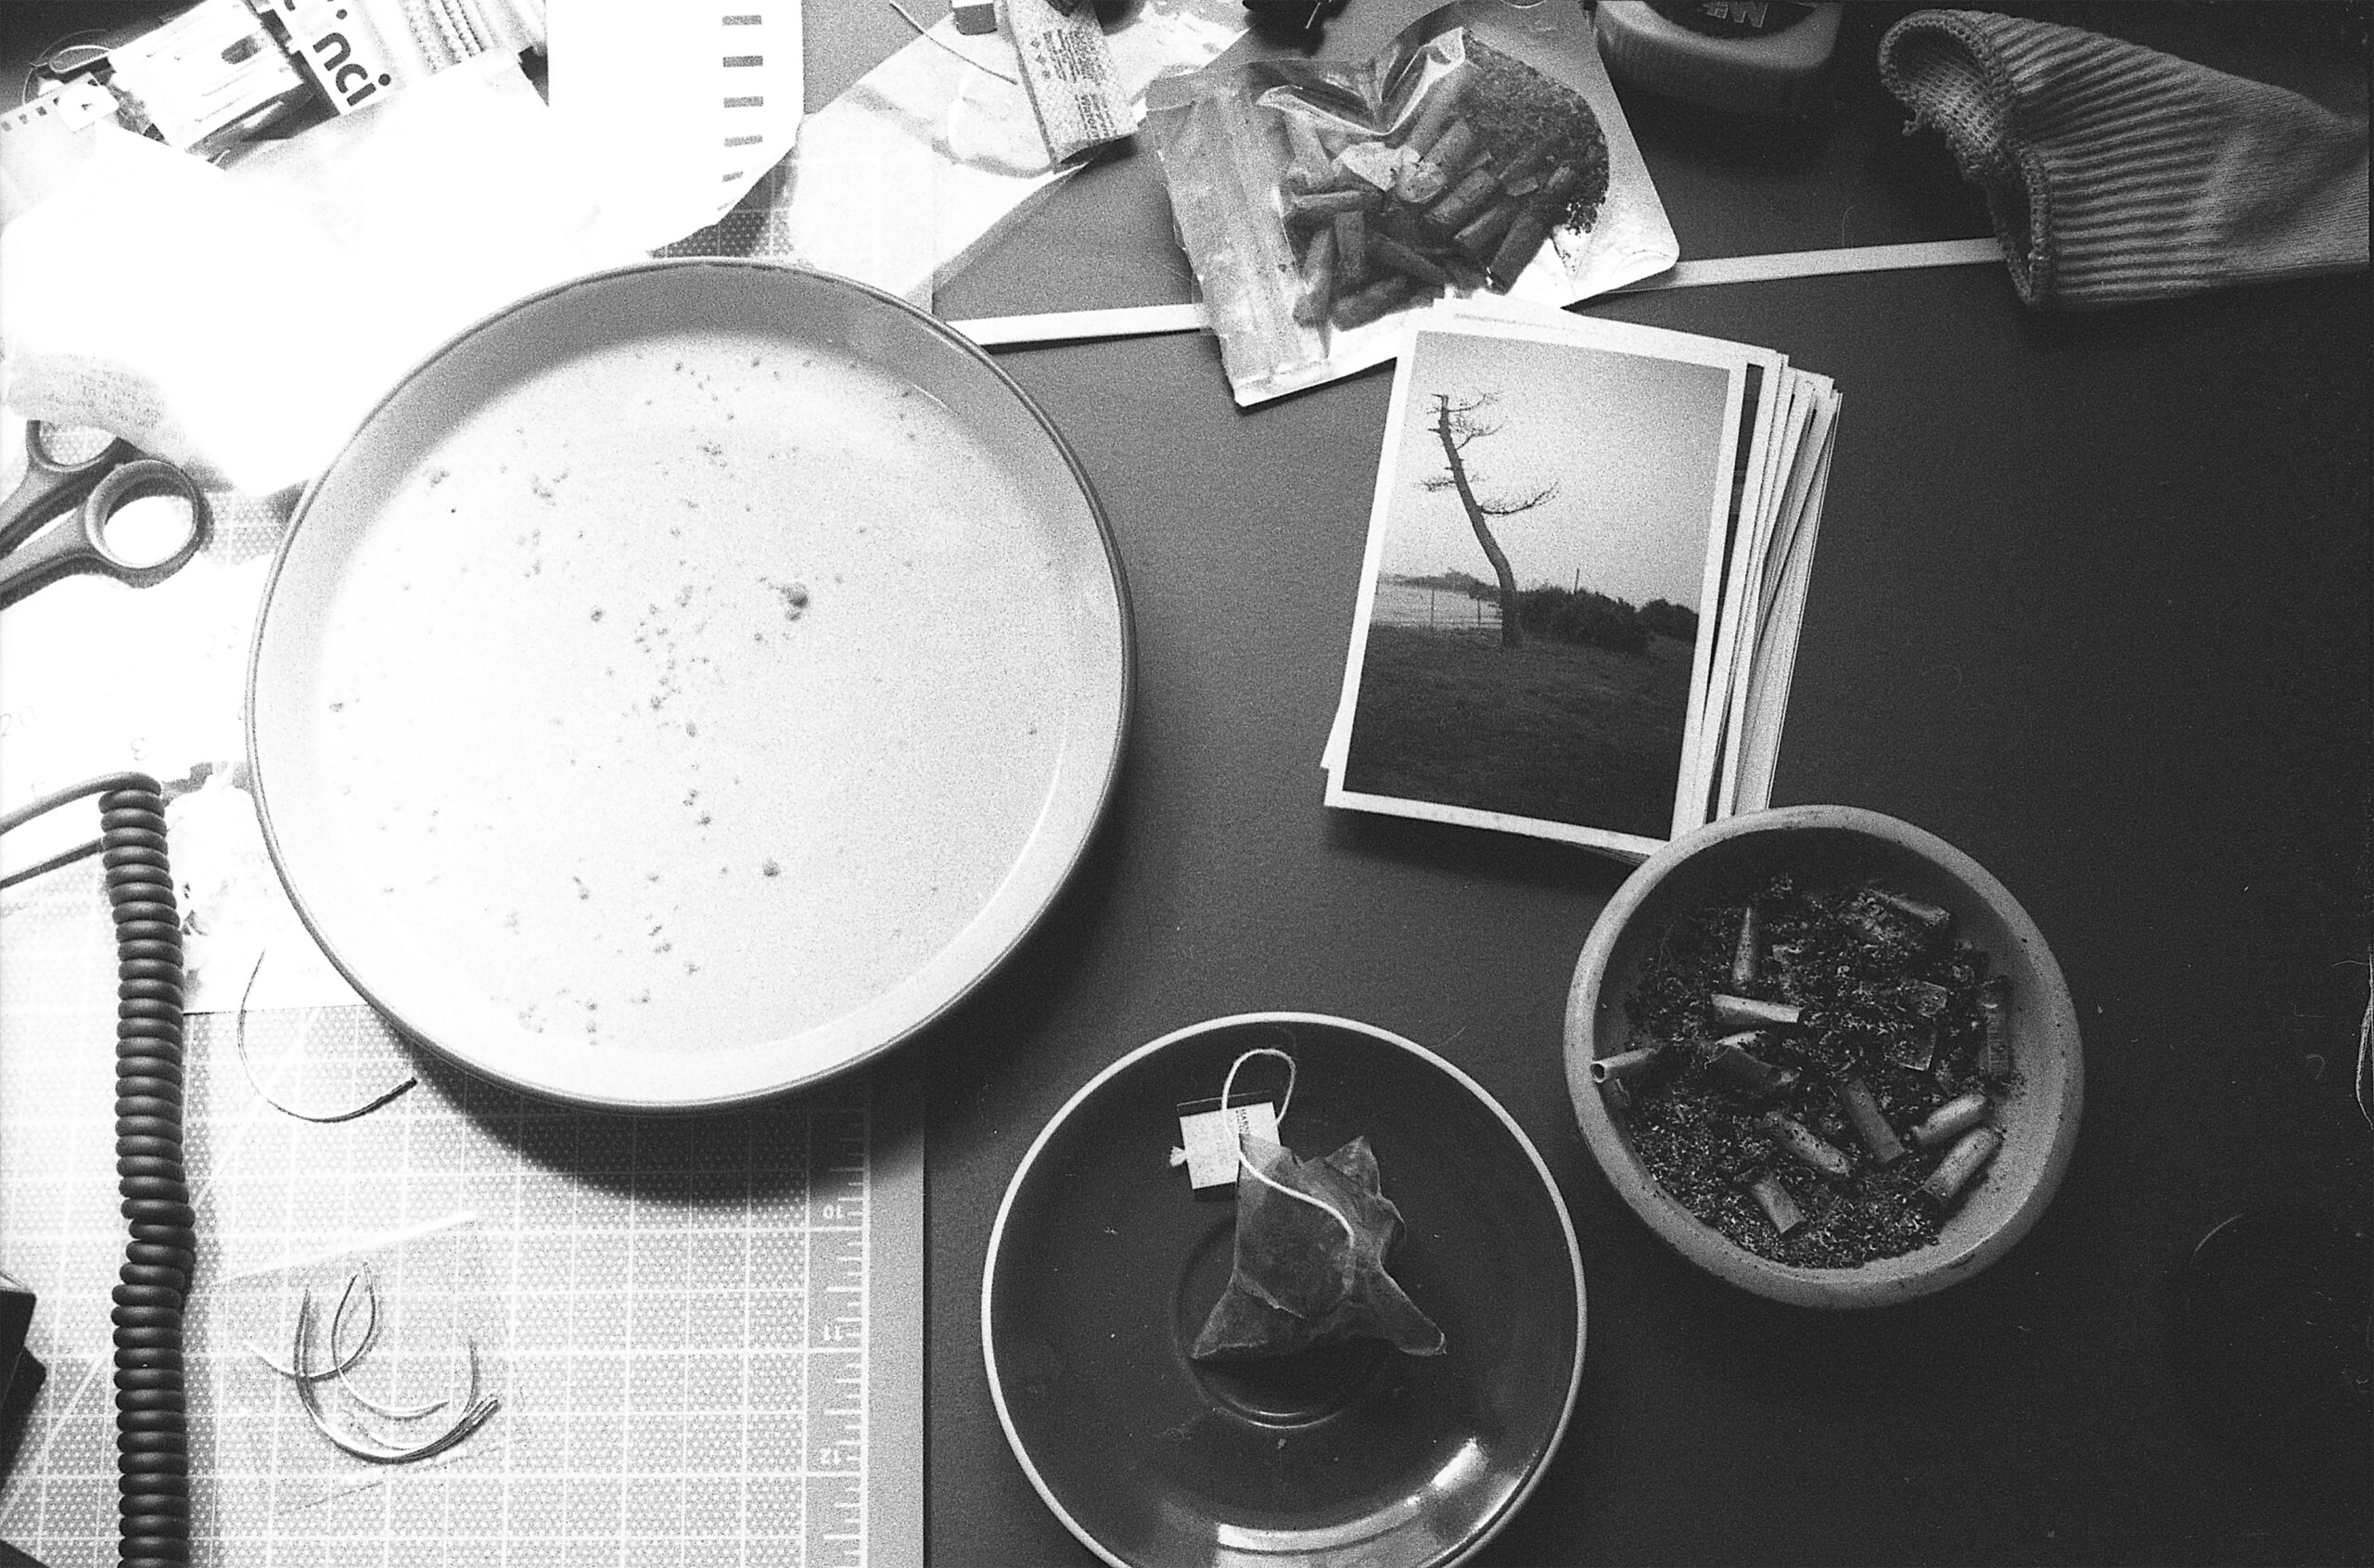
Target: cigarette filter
{"points": [[1379, 298], [1952, 1119], [1624, 1065], [1779, 1207], [1351, 248], [1483, 233], [1746, 1012], [1805, 1144], [1744, 951], [1391, 254], [1318, 278], [1963, 1161], [1434, 114], [1517, 248], [1995, 1013], [1930, 917], [1870, 1125]]}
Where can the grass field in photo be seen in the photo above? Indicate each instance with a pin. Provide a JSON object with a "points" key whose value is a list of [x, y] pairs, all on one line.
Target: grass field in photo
{"points": [[1558, 730]]}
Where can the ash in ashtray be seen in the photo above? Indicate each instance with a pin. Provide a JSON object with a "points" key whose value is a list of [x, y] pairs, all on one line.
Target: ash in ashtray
{"points": [[1816, 1075]]}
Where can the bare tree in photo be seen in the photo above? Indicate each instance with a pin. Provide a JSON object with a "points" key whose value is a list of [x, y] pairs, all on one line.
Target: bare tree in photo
{"points": [[1455, 426]]}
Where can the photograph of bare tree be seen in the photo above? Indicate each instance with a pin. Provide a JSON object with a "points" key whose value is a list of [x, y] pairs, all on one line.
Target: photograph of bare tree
{"points": [[1547, 531]]}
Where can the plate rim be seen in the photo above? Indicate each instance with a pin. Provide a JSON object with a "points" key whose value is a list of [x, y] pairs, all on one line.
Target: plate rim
{"points": [[1109, 764], [1540, 1467]]}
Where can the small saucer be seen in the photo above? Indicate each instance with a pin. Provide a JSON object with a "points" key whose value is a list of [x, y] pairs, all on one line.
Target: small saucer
{"points": [[1103, 1267]]}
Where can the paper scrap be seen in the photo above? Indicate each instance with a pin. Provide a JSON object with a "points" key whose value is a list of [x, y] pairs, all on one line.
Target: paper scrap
{"points": [[675, 115]]}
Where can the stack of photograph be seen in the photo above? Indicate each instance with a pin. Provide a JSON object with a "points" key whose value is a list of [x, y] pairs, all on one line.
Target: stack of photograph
{"points": [[1587, 567]]}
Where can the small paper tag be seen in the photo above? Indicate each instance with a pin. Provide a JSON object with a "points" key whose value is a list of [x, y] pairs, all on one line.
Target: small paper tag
{"points": [[1067, 67], [1211, 1136]]}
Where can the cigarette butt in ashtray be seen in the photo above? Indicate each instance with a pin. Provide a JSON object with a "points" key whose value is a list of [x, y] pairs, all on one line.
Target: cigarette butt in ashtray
{"points": [[1623, 1064], [1995, 1014], [1871, 1124], [1952, 1119], [1962, 1162], [1778, 1205], [1747, 1013], [1805, 1144]]}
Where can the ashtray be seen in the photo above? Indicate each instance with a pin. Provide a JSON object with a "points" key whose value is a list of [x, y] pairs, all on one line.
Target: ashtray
{"points": [[1103, 1264], [2030, 1114]]}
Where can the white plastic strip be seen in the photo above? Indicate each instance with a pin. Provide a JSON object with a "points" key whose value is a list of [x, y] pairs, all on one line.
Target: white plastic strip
{"points": [[1143, 320], [1817, 263], [1067, 326]]}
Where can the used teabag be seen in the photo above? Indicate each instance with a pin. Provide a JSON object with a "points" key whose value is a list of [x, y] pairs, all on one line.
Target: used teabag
{"points": [[1311, 1237], [1482, 151]]}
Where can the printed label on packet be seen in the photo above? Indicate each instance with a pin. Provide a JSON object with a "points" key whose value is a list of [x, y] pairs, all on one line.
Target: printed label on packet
{"points": [[1210, 1138], [1069, 68]]}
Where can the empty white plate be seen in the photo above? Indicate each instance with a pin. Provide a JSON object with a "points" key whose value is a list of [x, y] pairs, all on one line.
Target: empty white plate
{"points": [[687, 683]]}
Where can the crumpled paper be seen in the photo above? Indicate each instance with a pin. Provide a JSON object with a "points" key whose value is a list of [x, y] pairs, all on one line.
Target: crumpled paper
{"points": [[921, 159]]}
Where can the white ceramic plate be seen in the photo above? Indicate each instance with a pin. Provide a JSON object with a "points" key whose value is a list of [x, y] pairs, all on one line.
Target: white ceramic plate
{"points": [[687, 683]]}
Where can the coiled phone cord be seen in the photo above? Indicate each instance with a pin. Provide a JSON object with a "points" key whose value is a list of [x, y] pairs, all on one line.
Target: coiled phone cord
{"points": [[151, 1401]]}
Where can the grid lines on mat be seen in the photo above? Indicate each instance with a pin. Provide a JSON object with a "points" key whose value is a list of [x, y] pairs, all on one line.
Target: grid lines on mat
{"points": [[675, 1306]]}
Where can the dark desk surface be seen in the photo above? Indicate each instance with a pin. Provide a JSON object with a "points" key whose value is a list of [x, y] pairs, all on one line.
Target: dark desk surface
{"points": [[2090, 602]]}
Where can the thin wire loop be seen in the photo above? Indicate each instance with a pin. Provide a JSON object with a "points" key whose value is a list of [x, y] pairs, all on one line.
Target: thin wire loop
{"points": [[239, 1049]]}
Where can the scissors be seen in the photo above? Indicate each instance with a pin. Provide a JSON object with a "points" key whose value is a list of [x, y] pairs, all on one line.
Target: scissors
{"points": [[98, 527]]}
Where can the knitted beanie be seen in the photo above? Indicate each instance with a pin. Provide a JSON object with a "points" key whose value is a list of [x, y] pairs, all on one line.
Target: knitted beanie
{"points": [[2117, 174]]}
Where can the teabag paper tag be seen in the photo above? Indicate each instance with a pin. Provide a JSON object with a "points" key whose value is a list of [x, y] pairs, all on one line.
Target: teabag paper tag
{"points": [[1069, 68], [1210, 1138]]}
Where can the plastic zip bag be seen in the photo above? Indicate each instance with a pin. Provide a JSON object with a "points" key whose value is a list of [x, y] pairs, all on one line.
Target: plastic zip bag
{"points": [[1483, 150]]}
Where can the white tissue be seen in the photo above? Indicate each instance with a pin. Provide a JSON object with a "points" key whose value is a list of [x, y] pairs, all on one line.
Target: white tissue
{"points": [[915, 164], [674, 113], [242, 319]]}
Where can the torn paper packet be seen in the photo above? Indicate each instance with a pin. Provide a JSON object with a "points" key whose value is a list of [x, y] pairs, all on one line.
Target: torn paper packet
{"points": [[1482, 151]]}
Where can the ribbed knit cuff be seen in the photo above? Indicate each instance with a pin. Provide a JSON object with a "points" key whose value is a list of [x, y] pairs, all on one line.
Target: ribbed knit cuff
{"points": [[2116, 174]]}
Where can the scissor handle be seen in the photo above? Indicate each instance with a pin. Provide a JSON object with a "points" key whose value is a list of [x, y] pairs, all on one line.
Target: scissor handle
{"points": [[81, 545], [50, 486]]}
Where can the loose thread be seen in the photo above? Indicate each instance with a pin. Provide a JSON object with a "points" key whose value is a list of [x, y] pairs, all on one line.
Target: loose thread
{"points": [[476, 1412], [345, 1384], [925, 33], [1228, 1085], [239, 1048], [338, 1319]]}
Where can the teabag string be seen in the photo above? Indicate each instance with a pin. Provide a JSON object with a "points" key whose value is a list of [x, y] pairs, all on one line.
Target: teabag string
{"points": [[1249, 1167], [1292, 1286]]}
